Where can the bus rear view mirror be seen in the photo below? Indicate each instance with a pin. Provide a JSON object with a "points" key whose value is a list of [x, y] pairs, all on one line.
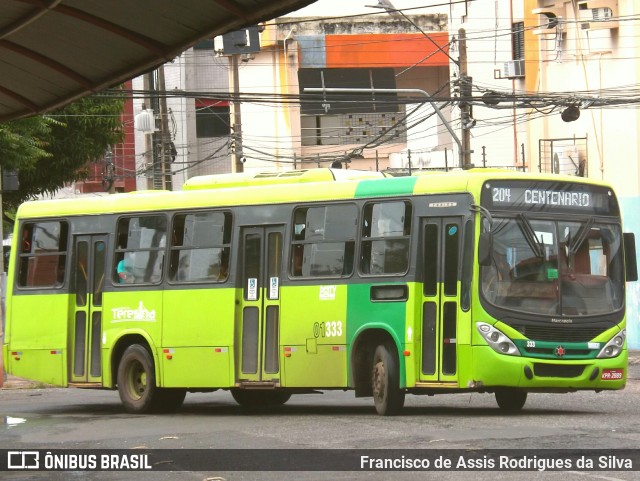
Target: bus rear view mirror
{"points": [[484, 249], [630, 260]]}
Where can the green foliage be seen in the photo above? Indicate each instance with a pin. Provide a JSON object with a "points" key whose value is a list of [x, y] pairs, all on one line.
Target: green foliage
{"points": [[49, 151]]}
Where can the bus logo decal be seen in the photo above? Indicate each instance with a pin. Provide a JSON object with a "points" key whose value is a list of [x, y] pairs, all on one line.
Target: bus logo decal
{"points": [[327, 293], [560, 351], [124, 314], [23, 460]]}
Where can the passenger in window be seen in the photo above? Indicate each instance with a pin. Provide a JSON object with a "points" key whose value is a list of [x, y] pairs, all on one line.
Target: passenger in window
{"points": [[224, 266], [26, 240], [125, 276]]}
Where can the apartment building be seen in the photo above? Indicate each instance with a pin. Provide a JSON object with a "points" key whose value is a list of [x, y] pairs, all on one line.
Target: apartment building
{"points": [[540, 85]]}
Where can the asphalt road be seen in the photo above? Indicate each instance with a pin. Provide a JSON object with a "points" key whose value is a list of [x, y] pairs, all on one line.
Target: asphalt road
{"points": [[50, 419]]}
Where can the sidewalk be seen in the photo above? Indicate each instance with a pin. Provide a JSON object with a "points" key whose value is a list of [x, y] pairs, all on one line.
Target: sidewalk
{"points": [[13, 382]]}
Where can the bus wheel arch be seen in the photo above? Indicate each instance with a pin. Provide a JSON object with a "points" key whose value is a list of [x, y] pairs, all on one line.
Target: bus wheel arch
{"points": [[120, 347], [136, 379], [375, 370]]}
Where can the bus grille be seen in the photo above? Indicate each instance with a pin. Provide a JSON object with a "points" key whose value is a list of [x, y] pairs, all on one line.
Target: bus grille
{"points": [[557, 370], [550, 351], [564, 333]]}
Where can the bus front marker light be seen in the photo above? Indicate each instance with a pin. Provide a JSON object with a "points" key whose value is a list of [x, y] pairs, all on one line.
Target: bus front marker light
{"points": [[482, 327], [497, 340], [614, 346], [594, 374], [406, 353], [528, 373]]}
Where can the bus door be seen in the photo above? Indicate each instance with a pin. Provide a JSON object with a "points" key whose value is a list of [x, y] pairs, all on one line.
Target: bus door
{"points": [[86, 326], [441, 237], [259, 317]]}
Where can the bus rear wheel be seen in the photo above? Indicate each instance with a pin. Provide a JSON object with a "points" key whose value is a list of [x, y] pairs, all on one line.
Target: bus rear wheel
{"points": [[256, 398], [385, 381], [510, 399], [137, 380]]}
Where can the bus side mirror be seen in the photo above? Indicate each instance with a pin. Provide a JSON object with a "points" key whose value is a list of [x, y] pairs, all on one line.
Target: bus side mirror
{"points": [[630, 260], [485, 246]]}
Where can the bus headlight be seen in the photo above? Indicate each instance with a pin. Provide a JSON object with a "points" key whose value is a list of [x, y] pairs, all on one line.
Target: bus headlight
{"points": [[614, 346], [497, 340]]}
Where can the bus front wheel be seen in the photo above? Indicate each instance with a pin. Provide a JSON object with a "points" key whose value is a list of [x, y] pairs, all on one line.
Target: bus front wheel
{"points": [[385, 381], [137, 380], [510, 400]]}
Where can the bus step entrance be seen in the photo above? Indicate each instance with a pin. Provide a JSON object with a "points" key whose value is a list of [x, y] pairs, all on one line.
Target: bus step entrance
{"points": [[257, 384]]}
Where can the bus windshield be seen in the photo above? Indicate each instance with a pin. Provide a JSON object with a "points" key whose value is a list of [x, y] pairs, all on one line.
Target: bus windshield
{"points": [[555, 267]]}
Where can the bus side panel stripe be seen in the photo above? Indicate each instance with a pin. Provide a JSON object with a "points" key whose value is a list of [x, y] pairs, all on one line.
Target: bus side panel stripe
{"points": [[384, 187]]}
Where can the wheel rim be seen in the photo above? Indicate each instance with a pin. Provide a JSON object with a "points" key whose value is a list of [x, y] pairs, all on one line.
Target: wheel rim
{"points": [[137, 381], [379, 385]]}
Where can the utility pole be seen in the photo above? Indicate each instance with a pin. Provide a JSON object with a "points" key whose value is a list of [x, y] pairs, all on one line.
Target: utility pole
{"points": [[110, 171], [238, 164], [465, 94], [151, 141], [165, 136]]}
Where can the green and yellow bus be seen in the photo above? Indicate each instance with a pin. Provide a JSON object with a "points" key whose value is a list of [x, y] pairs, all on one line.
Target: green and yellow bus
{"points": [[268, 286]]}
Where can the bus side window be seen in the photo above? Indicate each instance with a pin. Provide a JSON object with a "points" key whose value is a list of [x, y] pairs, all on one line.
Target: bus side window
{"points": [[200, 247], [386, 231], [323, 241], [140, 251], [43, 254]]}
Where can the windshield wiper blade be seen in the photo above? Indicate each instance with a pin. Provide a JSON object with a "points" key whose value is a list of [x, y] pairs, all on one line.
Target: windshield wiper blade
{"points": [[530, 235], [582, 234]]}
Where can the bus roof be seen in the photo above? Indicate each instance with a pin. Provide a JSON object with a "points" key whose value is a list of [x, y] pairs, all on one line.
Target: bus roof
{"points": [[248, 179], [230, 194]]}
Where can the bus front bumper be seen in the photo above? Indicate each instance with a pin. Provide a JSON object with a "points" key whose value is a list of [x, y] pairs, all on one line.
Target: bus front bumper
{"points": [[493, 369]]}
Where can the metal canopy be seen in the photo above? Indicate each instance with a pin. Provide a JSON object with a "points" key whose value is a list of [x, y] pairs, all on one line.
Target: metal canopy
{"points": [[55, 51]]}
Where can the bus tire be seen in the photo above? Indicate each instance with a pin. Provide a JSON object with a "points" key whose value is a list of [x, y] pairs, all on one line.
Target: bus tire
{"points": [[385, 381], [510, 400], [256, 398], [137, 380]]}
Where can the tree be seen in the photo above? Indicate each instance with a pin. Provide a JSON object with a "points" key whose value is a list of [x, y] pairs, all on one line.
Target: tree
{"points": [[52, 150]]}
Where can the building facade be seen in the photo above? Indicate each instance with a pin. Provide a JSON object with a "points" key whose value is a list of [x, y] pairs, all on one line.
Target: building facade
{"points": [[536, 85], [566, 73]]}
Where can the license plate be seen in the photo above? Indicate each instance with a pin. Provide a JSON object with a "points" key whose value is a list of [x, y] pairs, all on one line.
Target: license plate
{"points": [[612, 374]]}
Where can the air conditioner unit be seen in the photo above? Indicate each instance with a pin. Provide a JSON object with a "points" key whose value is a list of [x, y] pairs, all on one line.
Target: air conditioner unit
{"points": [[513, 69], [566, 160], [598, 14]]}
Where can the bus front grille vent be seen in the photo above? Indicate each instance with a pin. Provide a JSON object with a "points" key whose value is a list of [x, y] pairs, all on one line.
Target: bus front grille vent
{"points": [[557, 370], [569, 333]]}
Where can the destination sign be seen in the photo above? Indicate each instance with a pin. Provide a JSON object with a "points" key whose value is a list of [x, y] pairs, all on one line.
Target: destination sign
{"points": [[548, 197]]}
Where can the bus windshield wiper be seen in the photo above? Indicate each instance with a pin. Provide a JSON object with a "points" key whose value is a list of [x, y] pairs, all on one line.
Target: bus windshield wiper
{"points": [[579, 238], [530, 236]]}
